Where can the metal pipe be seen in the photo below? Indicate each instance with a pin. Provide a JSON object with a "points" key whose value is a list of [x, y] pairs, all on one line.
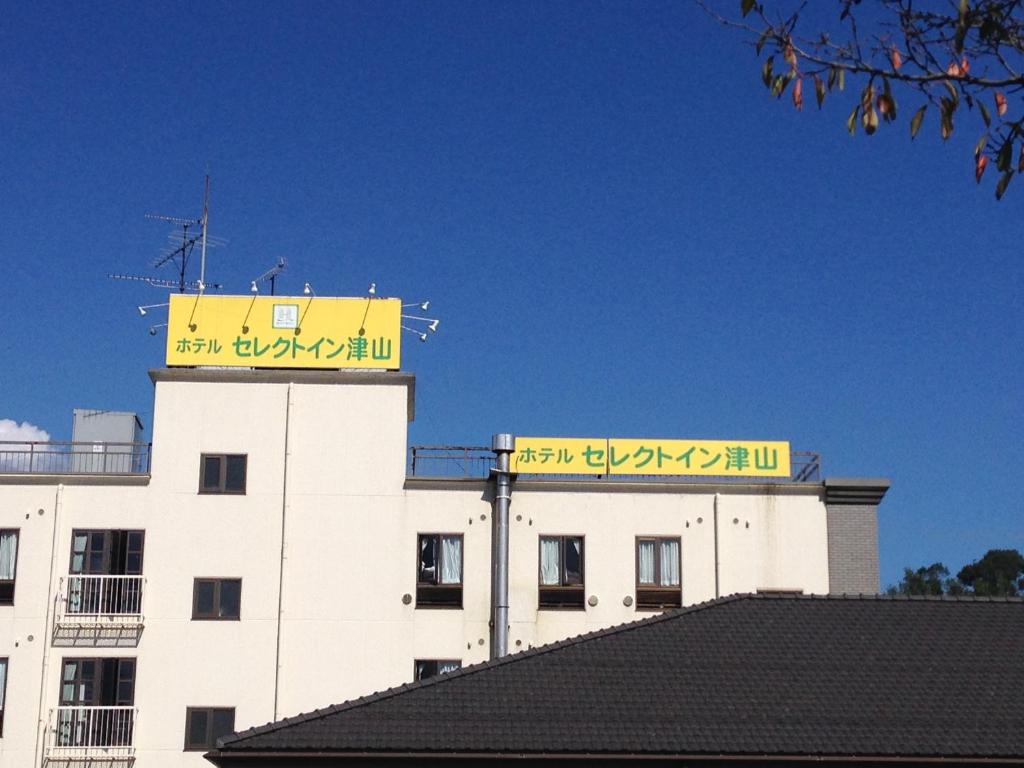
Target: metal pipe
{"points": [[503, 445], [280, 574], [717, 591], [47, 639]]}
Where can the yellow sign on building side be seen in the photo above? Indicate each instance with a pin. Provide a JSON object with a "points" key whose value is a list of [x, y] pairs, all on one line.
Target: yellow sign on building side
{"points": [[283, 332], [619, 456]]}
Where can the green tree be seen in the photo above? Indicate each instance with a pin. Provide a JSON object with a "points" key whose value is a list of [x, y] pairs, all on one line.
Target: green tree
{"points": [[1000, 572], [928, 580], [946, 56]]}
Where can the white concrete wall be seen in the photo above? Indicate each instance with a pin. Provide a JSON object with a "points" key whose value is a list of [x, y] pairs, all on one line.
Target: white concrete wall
{"points": [[350, 556]]}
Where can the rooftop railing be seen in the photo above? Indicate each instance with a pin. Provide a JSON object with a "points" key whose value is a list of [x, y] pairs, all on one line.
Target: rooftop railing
{"points": [[57, 458], [451, 461]]}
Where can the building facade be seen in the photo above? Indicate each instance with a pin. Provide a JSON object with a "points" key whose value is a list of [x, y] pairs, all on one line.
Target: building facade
{"points": [[276, 553]]}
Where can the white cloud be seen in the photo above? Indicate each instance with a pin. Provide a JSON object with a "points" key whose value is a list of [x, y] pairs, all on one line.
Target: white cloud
{"points": [[12, 431]]}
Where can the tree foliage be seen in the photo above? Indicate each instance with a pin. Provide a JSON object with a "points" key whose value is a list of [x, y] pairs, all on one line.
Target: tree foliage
{"points": [[999, 573], [950, 56]]}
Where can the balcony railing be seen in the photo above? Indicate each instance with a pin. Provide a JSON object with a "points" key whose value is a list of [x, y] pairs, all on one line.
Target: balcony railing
{"points": [[107, 600], [476, 461], [74, 458], [91, 734]]}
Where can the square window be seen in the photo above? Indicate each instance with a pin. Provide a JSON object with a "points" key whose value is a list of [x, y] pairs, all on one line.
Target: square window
{"points": [[561, 572], [222, 473], [204, 725], [439, 570], [658, 573], [8, 564], [424, 668], [216, 599]]}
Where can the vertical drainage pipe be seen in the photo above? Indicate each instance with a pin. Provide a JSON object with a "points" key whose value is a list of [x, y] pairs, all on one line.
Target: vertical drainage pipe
{"points": [[48, 630], [503, 445], [280, 573], [717, 589]]}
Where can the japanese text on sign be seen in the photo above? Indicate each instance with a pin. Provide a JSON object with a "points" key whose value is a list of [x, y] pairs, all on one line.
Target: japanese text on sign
{"points": [[617, 456], [283, 332]]}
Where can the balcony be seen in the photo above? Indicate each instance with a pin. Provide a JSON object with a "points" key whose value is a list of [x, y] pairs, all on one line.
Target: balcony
{"points": [[55, 458], [78, 735], [99, 610]]}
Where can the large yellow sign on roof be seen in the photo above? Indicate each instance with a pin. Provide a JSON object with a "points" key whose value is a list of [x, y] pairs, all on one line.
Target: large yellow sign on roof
{"points": [[284, 332]]}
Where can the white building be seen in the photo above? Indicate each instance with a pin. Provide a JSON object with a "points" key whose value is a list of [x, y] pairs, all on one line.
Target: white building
{"points": [[277, 554]]}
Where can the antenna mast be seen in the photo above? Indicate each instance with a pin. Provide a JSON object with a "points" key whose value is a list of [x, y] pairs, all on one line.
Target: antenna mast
{"points": [[205, 221]]}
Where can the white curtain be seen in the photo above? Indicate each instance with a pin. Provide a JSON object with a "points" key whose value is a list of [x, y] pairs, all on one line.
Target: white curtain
{"points": [[670, 563], [451, 560], [3, 682], [78, 553], [645, 557], [448, 666], [549, 554], [8, 554]]}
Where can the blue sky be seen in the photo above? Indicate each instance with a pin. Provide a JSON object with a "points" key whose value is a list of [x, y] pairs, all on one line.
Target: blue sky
{"points": [[622, 233]]}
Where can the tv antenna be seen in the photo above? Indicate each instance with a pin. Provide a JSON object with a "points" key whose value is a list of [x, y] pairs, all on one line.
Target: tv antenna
{"points": [[193, 233], [270, 276]]}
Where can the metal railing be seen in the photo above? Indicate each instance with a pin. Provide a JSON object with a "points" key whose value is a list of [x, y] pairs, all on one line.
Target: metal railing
{"points": [[81, 733], [99, 598], [477, 461], [59, 458]]}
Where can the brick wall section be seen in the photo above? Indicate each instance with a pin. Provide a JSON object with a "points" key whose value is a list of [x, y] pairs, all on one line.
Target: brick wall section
{"points": [[852, 548]]}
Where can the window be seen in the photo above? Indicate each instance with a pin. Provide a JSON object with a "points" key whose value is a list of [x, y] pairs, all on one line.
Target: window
{"points": [[106, 572], [657, 573], [425, 668], [3, 691], [222, 473], [8, 565], [561, 572], [204, 725], [216, 599], [97, 696], [439, 574]]}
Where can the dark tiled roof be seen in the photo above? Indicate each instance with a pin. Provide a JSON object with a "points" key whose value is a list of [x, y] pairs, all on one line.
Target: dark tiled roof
{"points": [[747, 675]]}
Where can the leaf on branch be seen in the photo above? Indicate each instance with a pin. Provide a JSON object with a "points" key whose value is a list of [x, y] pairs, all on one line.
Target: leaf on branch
{"points": [[953, 70], [867, 98], [746, 6], [984, 113], [946, 108], [766, 71], [895, 58], [980, 146], [842, 79], [1004, 156], [869, 119], [886, 102], [980, 164], [798, 93], [1000, 99], [851, 121], [1020, 159], [779, 84], [762, 39], [819, 90], [915, 121], [1004, 181], [789, 55]]}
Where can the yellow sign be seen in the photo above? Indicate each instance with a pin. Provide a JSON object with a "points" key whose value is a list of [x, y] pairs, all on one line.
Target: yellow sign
{"points": [[616, 456], [560, 455], [283, 332]]}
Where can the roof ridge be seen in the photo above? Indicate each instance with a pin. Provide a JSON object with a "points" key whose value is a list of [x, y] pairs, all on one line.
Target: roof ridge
{"points": [[473, 669]]}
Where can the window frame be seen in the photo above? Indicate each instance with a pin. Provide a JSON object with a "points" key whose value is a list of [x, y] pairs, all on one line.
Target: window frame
{"points": [[437, 663], [107, 551], [124, 668], [211, 741], [221, 488], [5, 662], [434, 594], [561, 596], [654, 597], [217, 581], [13, 581]]}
